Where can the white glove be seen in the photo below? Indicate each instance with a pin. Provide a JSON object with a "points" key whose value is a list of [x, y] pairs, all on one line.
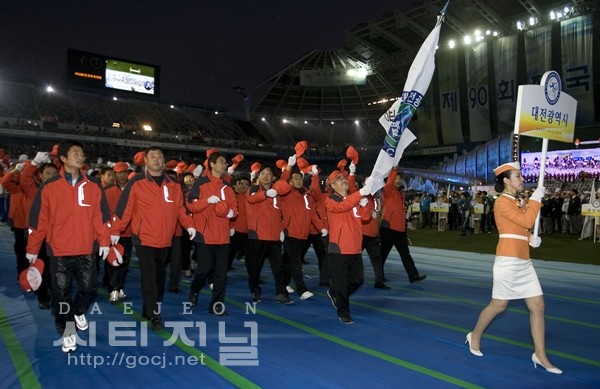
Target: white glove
{"points": [[253, 176], [271, 193], [230, 214], [281, 236], [40, 158], [100, 160], [192, 232], [231, 232], [110, 164], [535, 241], [364, 191], [291, 160], [114, 239], [20, 166], [363, 202], [30, 257], [230, 170], [324, 232], [538, 194], [374, 214], [197, 171], [352, 168], [103, 252], [213, 199], [314, 170]]}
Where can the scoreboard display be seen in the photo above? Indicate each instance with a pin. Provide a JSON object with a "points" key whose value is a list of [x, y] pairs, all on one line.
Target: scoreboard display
{"points": [[89, 70]]}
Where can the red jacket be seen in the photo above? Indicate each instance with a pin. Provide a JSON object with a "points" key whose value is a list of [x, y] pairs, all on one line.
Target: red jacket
{"points": [[240, 222], [345, 217], [19, 204], [210, 220], [152, 210], [113, 194], [319, 196], [299, 214], [70, 218], [265, 221], [393, 213], [370, 227]]}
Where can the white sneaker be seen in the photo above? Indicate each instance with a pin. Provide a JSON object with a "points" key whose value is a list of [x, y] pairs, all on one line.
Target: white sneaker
{"points": [[122, 294], [69, 343], [114, 296], [289, 289], [306, 295], [81, 322]]}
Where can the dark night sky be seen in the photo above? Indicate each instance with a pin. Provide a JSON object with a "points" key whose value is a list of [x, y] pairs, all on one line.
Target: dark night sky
{"points": [[204, 48]]}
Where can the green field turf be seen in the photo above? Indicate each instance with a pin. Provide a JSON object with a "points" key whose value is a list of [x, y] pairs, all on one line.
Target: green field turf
{"points": [[121, 66]]}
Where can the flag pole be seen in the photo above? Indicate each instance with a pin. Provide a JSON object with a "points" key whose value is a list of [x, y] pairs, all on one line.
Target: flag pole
{"points": [[536, 226]]}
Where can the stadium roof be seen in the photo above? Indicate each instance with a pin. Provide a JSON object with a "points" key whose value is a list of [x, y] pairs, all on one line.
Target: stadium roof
{"points": [[386, 48]]}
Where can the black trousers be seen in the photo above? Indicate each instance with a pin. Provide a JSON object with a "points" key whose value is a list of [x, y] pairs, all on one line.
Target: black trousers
{"points": [[372, 244], [62, 272], [347, 275], [20, 246], [175, 262], [319, 244], [293, 260], [392, 238], [152, 270], [186, 250], [212, 262], [236, 244], [117, 275], [257, 250]]}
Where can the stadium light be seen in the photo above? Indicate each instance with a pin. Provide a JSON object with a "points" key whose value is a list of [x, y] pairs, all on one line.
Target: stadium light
{"points": [[532, 21], [306, 122], [332, 123], [467, 40], [263, 119], [356, 122], [172, 106], [520, 25], [284, 121], [216, 112], [147, 127], [49, 89], [115, 98], [452, 44]]}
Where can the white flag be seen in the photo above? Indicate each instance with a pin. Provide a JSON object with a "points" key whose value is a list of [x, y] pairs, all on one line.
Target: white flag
{"points": [[395, 120]]}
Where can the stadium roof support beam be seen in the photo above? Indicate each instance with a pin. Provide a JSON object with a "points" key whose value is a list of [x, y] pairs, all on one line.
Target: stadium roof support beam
{"points": [[381, 53], [489, 14], [531, 6], [341, 102], [301, 103], [403, 21], [391, 37], [362, 101], [282, 99]]}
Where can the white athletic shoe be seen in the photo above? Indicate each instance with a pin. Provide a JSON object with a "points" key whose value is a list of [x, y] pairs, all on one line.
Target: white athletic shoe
{"points": [[306, 295], [289, 289], [122, 294], [114, 296], [81, 322], [69, 343]]}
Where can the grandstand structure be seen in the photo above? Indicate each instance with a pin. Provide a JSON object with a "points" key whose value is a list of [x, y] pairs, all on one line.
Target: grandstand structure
{"points": [[334, 98]]}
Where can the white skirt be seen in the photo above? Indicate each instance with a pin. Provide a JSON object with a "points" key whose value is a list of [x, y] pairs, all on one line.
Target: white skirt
{"points": [[514, 279]]}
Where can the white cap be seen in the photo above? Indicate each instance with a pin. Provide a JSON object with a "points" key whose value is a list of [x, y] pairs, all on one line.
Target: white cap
{"points": [[23, 157], [506, 167]]}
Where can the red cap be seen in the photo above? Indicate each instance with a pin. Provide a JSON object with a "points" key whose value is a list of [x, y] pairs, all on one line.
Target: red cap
{"points": [[334, 176], [181, 167], [352, 154], [255, 167], [54, 152], [115, 255], [131, 175], [302, 164], [237, 159], [172, 164], [139, 158], [31, 278], [192, 167], [210, 151], [282, 187], [300, 148], [342, 164], [120, 167], [281, 164]]}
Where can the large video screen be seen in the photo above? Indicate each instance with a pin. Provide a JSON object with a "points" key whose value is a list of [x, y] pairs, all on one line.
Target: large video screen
{"points": [[90, 70], [129, 76], [560, 163]]}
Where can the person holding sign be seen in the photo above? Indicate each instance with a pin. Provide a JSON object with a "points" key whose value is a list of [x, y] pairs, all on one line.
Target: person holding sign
{"points": [[514, 275]]}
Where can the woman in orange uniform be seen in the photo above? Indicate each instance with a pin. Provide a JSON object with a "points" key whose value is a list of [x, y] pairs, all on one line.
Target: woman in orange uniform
{"points": [[514, 275]]}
